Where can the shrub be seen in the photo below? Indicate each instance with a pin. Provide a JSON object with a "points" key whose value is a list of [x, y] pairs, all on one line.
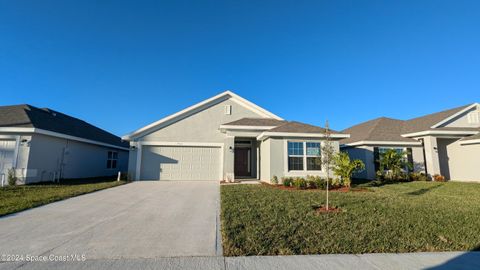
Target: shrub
{"points": [[275, 180], [439, 178], [335, 183], [299, 183], [12, 178], [393, 164], [287, 181], [418, 177], [312, 184], [345, 168]]}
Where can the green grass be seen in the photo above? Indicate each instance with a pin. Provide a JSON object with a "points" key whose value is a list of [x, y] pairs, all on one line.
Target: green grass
{"points": [[18, 198], [406, 217]]}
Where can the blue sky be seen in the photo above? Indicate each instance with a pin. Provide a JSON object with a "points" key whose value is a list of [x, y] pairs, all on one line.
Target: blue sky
{"points": [[124, 64]]}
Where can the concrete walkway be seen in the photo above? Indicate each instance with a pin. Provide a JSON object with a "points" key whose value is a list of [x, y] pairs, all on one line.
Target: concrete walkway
{"points": [[433, 261], [137, 220]]}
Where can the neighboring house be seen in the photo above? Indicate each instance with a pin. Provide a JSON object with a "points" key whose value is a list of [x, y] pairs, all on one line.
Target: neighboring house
{"points": [[45, 145], [223, 138], [439, 143]]}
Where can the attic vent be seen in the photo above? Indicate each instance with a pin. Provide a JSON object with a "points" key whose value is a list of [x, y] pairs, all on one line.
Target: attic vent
{"points": [[474, 117], [228, 109]]}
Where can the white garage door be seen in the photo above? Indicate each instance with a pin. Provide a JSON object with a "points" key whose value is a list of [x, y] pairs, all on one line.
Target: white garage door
{"points": [[7, 155], [180, 163]]}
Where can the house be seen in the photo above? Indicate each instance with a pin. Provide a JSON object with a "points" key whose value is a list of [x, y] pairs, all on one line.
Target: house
{"points": [[445, 143], [45, 145], [224, 138]]}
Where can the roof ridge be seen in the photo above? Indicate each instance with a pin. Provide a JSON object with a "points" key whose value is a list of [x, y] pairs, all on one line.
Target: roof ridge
{"points": [[442, 111]]}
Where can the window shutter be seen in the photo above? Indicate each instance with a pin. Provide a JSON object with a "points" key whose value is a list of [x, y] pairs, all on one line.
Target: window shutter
{"points": [[376, 158], [410, 158]]}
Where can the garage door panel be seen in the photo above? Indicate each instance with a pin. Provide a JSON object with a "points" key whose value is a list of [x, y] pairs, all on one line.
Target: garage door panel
{"points": [[180, 163], [7, 151]]}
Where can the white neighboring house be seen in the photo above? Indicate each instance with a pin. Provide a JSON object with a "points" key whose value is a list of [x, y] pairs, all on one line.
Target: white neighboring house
{"points": [[224, 138], [445, 143], [45, 145]]}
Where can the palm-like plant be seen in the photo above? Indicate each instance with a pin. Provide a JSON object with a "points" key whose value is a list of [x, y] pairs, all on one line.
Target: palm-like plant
{"points": [[393, 162], [345, 168]]}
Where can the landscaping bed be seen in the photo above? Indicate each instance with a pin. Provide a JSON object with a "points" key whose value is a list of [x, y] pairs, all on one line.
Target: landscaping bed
{"points": [[17, 198], [403, 217]]}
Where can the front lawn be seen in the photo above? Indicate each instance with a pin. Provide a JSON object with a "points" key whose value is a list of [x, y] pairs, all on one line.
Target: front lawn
{"points": [[18, 198], [407, 217]]}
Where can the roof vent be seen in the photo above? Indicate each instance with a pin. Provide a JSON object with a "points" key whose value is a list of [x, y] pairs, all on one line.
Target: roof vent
{"points": [[228, 109]]}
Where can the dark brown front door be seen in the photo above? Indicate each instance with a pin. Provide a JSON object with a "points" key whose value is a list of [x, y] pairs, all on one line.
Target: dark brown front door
{"points": [[241, 161]]}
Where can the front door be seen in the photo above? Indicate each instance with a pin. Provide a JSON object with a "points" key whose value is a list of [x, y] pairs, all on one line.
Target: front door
{"points": [[242, 160]]}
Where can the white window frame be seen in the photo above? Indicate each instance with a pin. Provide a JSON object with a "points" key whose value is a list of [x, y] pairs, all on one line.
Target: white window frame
{"points": [[307, 156], [304, 156], [112, 159]]}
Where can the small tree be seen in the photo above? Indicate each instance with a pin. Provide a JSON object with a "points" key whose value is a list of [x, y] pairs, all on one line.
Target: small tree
{"points": [[345, 168], [393, 162], [328, 151]]}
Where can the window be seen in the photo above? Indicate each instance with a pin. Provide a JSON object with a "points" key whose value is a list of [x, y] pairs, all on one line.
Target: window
{"points": [[112, 160], [301, 153], [295, 156], [314, 161], [382, 150]]}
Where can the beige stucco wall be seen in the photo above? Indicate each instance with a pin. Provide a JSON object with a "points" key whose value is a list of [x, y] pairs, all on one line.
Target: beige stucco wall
{"points": [[201, 126], [463, 161], [80, 160], [431, 153], [274, 158], [265, 156], [462, 120]]}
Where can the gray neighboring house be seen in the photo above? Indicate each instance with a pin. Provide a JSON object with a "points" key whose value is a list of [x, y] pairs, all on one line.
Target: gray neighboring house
{"points": [[445, 143], [45, 145], [224, 138]]}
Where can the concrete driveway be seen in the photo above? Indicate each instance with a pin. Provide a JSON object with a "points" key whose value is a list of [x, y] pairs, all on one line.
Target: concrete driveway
{"points": [[138, 220]]}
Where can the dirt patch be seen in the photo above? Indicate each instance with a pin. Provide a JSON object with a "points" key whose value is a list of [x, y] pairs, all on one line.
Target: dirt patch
{"points": [[331, 209]]}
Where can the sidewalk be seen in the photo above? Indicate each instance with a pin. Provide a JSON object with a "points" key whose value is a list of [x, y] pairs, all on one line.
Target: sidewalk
{"points": [[433, 261]]}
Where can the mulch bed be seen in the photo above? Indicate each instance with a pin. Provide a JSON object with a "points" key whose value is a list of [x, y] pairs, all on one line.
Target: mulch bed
{"points": [[335, 189]]}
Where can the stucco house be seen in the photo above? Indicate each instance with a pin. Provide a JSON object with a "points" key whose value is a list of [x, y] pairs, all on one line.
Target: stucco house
{"points": [[41, 144], [226, 137], [445, 143]]}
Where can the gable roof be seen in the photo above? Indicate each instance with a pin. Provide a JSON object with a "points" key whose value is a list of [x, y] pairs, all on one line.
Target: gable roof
{"points": [[426, 122], [28, 116], [386, 129], [198, 107], [379, 129]]}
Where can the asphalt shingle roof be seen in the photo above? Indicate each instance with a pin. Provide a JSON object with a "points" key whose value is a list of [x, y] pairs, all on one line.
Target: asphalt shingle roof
{"points": [[473, 137], [389, 129], [267, 122], [297, 127], [43, 118], [380, 129], [280, 125]]}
